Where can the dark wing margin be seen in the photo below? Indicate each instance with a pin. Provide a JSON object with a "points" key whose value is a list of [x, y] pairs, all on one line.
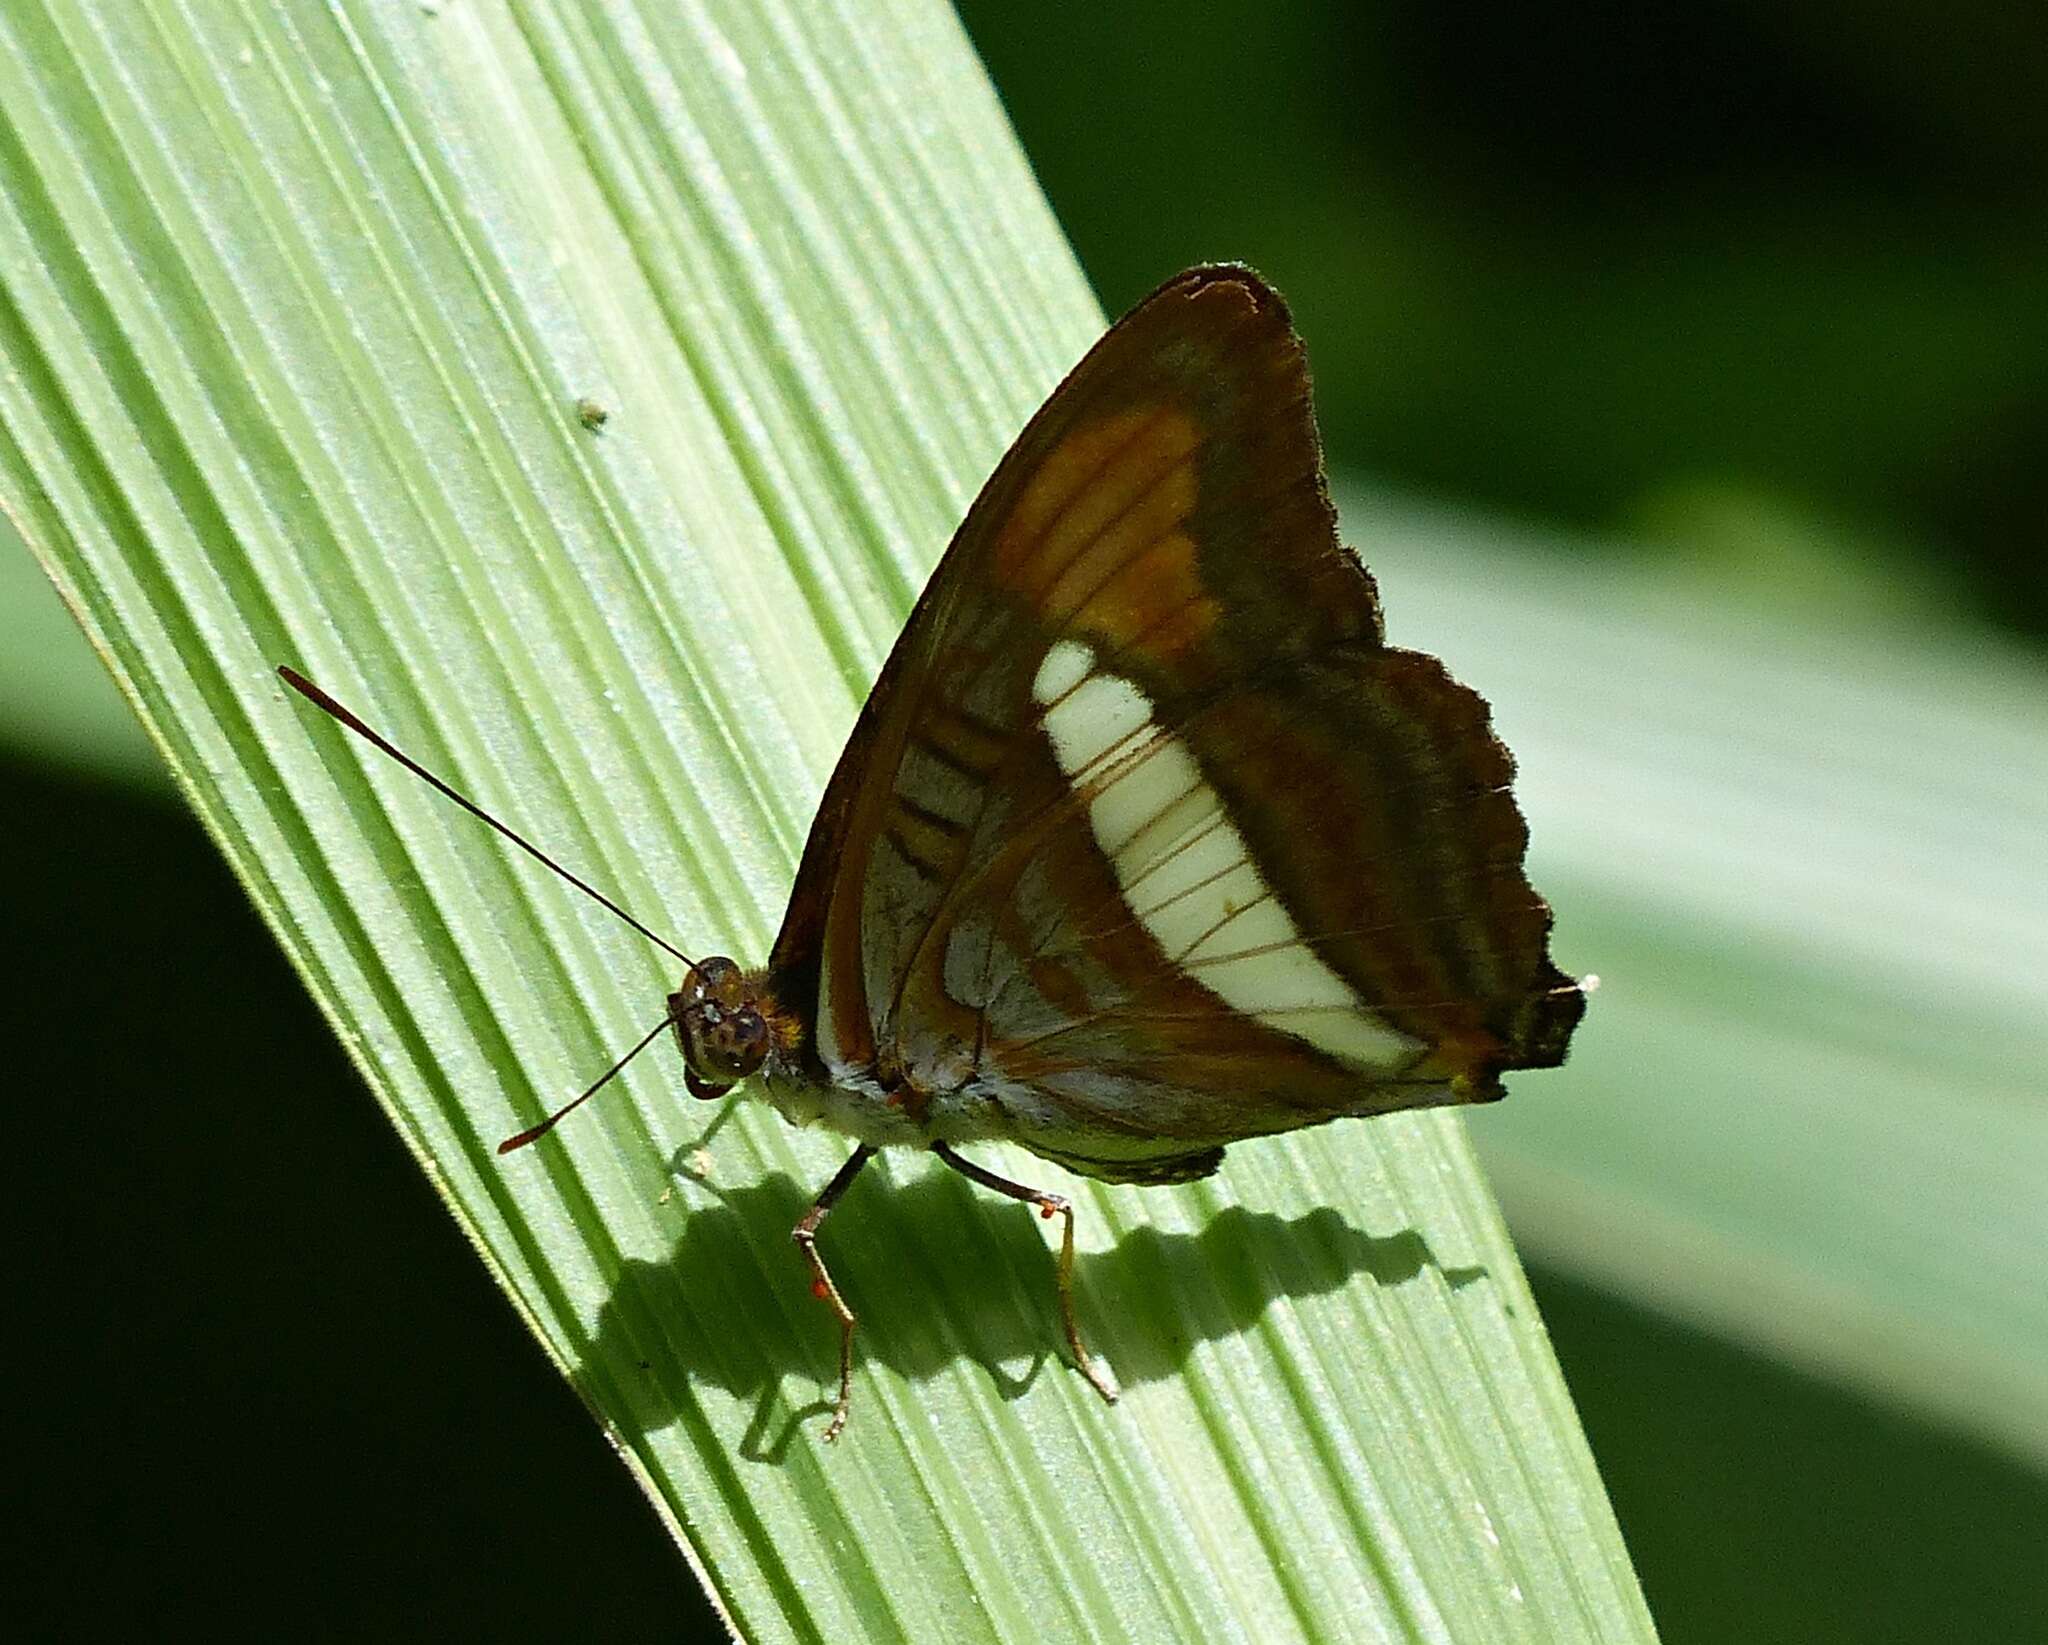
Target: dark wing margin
{"points": [[1157, 1171]]}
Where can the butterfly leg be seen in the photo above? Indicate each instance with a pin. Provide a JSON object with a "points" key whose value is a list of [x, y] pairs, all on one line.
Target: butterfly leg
{"points": [[1049, 1205], [805, 1233]]}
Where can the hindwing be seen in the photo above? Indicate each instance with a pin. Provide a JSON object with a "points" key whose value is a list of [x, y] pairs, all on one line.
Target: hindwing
{"points": [[1145, 835]]}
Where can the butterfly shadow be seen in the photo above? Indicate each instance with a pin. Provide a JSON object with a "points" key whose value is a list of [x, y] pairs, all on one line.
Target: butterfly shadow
{"points": [[940, 1273]]}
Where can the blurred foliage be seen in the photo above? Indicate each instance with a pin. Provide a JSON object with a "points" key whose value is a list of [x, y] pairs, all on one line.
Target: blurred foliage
{"points": [[56, 702], [1595, 262]]}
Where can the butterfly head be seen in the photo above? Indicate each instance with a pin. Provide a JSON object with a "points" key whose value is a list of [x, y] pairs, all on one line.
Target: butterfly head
{"points": [[721, 1024]]}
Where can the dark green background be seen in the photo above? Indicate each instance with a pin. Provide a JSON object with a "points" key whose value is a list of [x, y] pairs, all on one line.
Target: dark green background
{"points": [[1725, 278]]}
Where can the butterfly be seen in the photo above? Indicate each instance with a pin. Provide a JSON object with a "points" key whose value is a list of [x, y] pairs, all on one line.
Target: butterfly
{"points": [[1146, 841]]}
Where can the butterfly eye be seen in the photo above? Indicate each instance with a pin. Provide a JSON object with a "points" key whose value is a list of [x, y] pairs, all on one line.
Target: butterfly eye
{"points": [[745, 1041], [722, 1043], [715, 978]]}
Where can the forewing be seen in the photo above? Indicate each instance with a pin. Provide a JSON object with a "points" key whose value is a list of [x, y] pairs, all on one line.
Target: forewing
{"points": [[1144, 832]]}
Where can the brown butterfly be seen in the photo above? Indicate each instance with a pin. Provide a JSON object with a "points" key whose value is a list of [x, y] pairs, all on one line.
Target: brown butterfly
{"points": [[1146, 842]]}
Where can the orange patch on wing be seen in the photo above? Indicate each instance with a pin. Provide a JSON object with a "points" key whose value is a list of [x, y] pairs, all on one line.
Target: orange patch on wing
{"points": [[1097, 539], [1157, 599]]}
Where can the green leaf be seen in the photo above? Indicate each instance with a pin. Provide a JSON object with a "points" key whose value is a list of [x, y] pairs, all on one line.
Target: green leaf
{"points": [[299, 308]]}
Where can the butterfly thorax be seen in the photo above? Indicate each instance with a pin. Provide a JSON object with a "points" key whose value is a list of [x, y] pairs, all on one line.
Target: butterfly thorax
{"points": [[879, 1100]]}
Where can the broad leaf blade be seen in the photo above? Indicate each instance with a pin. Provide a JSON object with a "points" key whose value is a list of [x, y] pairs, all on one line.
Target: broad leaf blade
{"points": [[298, 309]]}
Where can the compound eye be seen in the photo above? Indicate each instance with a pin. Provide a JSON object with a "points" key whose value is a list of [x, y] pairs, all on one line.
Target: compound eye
{"points": [[708, 979], [745, 1040], [726, 1043]]}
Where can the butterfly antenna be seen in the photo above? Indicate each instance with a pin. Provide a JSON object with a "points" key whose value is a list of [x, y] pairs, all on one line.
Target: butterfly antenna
{"points": [[597, 1085], [327, 705]]}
